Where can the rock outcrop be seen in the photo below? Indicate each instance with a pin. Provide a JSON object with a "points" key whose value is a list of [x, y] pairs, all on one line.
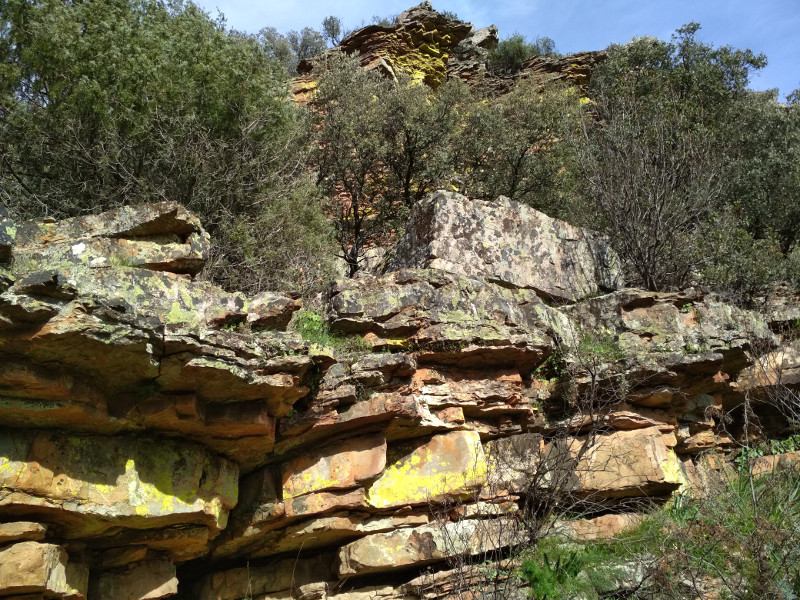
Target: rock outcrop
{"points": [[418, 45], [432, 47], [163, 436], [509, 243]]}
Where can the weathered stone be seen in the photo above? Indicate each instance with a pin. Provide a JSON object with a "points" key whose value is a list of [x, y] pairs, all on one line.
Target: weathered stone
{"points": [[450, 465], [448, 319], [629, 463], [31, 567], [269, 310], [258, 581], [20, 531], [680, 331], [598, 528], [772, 371], [121, 557], [418, 45], [345, 465], [160, 237], [775, 462], [147, 580], [181, 542], [423, 545], [507, 242], [323, 502], [90, 485], [337, 528]]}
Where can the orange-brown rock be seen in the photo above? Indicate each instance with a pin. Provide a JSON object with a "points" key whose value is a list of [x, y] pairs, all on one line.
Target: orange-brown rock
{"points": [[418, 45], [21, 531], [354, 462], [450, 465], [147, 580], [36, 568], [629, 463]]}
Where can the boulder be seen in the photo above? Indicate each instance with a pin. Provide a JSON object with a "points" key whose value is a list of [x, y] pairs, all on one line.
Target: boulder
{"points": [[35, 568], [509, 243], [146, 580], [629, 463]]}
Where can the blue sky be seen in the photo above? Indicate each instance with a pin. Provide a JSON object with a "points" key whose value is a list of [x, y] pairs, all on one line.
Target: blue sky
{"points": [[768, 26]]}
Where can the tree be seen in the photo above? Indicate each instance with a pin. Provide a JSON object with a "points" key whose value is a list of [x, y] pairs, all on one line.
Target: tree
{"points": [[380, 146], [652, 150], [515, 146], [332, 30], [348, 154], [765, 166], [651, 180], [178, 108], [512, 53], [418, 127], [278, 48], [307, 43]]}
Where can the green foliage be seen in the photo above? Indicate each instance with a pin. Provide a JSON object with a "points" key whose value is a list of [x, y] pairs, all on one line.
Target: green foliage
{"points": [[279, 49], [511, 53], [307, 43], [515, 147], [740, 268], [764, 153], [741, 538], [178, 108], [766, 448], [384, 144], [285, 245], [418, 125], [311, 326], [659, 166], [552, 369], [552, 576], [560, 570], [599, 346], [384, 21], [332, 29]]}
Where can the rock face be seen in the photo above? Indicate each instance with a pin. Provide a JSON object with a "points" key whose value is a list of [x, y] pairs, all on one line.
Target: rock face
{"points": [[510, 243], [431, 47], [160, 432], [419, 45]]}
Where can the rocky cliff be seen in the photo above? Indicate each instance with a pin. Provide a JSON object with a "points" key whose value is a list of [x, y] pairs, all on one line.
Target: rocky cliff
{"points": [[163, 436], [431, 47]]}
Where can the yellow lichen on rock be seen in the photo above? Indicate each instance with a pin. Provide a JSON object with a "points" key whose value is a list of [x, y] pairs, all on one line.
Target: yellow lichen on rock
{"points": [[448, 465]]}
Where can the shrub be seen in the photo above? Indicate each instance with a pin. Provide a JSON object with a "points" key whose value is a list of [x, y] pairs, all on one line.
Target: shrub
{"points": [[512, 52], [178, 109]]}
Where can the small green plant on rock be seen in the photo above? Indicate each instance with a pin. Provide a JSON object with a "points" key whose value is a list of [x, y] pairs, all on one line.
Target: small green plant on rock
{"points": [[313, 328], [601, 346]]}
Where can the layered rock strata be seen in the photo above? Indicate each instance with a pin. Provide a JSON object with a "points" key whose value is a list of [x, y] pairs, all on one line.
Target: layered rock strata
{"points": [[431, 47], [161, 436]]}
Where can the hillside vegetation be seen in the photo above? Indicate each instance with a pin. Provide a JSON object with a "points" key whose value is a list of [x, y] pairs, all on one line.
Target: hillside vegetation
{"points": [[694, 177]]}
